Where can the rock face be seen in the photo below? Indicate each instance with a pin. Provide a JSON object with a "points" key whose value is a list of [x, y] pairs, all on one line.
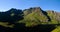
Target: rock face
{"points": [[30, 10]]}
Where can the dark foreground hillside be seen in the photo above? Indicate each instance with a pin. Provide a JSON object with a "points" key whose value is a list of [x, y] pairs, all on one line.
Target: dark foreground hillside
{"points": [[22, 28], [29, 20]]}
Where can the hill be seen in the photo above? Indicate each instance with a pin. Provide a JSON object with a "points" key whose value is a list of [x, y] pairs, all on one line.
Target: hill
{"points": [[35, 15], [29, 19]]}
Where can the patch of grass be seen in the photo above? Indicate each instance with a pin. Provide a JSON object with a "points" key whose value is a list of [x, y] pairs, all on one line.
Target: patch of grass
{"points": [[5, 24], [57, 29]]}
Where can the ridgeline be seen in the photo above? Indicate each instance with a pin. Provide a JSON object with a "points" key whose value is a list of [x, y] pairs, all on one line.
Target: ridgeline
{"points": [[33, 19]]}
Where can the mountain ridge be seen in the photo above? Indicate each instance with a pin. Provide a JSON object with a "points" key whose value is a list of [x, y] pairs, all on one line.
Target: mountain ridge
{"points": [[33, 19], [32, 16]]}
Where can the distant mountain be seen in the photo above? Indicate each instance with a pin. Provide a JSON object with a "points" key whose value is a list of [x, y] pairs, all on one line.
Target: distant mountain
{"points": [[35, 16], [11, 16], [31, 17]]}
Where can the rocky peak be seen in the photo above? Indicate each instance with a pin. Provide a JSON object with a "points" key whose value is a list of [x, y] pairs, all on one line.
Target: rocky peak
{"points": [[36, 9], [32, 9]]}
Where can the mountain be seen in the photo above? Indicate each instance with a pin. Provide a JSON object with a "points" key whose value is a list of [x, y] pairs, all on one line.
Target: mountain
{"points": [[29, 20], [10, 17], [35, 15], [31, 17]]}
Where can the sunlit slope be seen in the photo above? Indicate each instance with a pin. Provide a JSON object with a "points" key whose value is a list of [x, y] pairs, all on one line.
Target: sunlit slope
{"points": [[57, 29]]}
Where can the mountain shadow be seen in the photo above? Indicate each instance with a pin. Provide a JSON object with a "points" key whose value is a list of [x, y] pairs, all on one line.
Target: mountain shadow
{"points": [[45, 13]]}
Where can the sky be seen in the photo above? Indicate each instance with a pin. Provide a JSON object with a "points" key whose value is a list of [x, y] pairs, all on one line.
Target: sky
{"points": [[5, 5]]}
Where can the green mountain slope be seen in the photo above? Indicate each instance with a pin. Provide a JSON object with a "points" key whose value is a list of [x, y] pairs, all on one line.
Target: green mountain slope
{"points": [[34, 16], [31, 17]]}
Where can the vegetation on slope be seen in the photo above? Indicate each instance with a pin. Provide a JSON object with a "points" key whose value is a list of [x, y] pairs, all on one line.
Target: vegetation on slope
{"points": [[57, 29], [30, 17]]}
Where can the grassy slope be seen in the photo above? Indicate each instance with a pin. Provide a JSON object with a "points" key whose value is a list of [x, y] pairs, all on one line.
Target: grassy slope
{"points": [[5, 24], [57, 29]]}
